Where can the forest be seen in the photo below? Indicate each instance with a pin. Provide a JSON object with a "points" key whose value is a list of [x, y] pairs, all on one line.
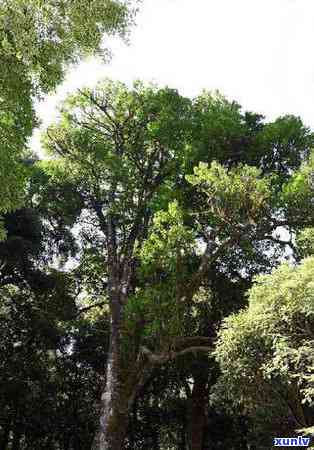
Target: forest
{"points": [[157, 265]]}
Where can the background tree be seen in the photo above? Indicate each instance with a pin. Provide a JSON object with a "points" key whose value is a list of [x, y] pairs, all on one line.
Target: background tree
{"points": [[53, 353], [38, 41], [266, 351]]}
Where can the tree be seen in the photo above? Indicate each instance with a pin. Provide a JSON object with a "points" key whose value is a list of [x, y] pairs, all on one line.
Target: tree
{"points": [[266, 350], [124, 157], [34, 306], [38, 41], [135, 151], [53, 352]]}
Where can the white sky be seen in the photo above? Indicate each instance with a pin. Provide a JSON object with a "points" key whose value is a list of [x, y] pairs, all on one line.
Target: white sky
{"points": [[258, 52]]}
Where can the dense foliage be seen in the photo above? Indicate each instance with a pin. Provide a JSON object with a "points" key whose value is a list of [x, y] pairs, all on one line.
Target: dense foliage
{"points": [[266, 351], [145, 300], [38, 40]]}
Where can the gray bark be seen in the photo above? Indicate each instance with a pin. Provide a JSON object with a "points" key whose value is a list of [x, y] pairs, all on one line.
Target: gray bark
{"points": [[113, 414]]}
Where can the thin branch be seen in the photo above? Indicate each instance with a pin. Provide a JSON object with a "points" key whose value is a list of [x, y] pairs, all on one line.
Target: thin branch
{"points": [[103, 108], [88, 308]]}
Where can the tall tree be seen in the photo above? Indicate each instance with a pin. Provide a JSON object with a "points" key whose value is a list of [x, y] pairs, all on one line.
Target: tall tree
{"points": [[133, 156], [124, 157]]}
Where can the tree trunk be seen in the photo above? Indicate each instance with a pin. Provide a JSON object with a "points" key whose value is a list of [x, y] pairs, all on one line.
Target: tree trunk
{"points": [[114, 411], [198, 412], [118, 399], [121, 389]]}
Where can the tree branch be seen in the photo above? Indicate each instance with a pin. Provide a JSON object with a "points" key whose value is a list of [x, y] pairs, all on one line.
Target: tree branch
{"points": [[161, 358], [88, 308]]}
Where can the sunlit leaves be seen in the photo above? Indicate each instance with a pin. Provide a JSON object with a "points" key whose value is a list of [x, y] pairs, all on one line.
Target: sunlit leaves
{"points": [[168, 238], [298, 194], [270, 344], [235, 197], [37, 41], [44, 35]]}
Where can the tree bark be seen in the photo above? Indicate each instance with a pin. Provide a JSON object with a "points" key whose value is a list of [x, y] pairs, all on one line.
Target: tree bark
{"points": [[113, 412], [118, 399], [113, 415], [198, 415]]}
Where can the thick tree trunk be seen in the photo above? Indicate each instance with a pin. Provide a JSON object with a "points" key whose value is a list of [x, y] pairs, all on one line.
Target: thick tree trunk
{"points": [[198, 415], [113, 423], [118, 399], [114, 411], [121, 389]]}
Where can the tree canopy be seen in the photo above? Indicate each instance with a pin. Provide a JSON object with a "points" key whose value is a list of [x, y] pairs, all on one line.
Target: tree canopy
{"points": [[266, 350], [38, 40], [163, 217], [143, 299]]}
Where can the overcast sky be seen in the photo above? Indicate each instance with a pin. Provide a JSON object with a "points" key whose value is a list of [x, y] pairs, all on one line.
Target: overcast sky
{"points": [[258, 52]]}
